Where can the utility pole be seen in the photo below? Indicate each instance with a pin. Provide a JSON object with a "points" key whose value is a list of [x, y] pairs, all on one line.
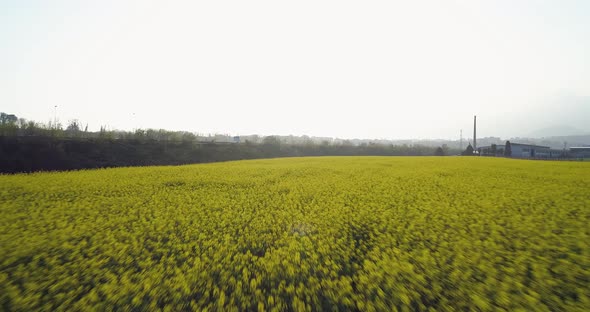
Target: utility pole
{"points": [[55, 116], [461, 140], [475, 133]]}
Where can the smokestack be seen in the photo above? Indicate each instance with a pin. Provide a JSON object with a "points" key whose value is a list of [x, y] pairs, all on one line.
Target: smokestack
{"points": [[474, 133]]}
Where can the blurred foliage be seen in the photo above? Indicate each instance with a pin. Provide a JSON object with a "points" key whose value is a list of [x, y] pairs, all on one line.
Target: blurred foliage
{"points": [[28, 146], [301, 234]]}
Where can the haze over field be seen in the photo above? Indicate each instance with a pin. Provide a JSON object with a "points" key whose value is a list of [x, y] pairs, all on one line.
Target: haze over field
{"points": [[384, 69]]}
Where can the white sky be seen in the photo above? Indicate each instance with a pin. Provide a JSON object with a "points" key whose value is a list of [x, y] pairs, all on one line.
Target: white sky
{"points": [[349, 69]]}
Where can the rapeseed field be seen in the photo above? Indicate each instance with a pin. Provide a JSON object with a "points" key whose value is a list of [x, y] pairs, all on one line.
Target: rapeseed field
{"points": [[301, 234]]}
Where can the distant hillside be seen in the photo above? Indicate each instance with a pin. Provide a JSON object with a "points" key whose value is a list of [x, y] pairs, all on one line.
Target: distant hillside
{"points": [[557, 131], [557, 142]]}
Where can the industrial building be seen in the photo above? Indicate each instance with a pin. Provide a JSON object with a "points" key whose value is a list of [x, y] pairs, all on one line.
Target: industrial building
{"points": [[580, 152], [520, 150]]}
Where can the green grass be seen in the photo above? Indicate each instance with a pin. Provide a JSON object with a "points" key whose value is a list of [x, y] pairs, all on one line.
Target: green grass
{"points": [[347, 233]]}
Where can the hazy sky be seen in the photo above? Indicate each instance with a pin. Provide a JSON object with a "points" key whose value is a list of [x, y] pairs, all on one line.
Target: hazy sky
{"points": [[349, 69]]}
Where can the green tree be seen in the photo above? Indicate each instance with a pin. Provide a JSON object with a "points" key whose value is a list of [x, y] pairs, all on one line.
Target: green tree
{"points": [[8, 124], [271, 141], [508, 149], [73, 128], [7, 119], [468, 151]]}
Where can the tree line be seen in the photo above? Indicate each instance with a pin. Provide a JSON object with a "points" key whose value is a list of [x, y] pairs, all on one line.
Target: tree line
{"points": [[28, 146]]}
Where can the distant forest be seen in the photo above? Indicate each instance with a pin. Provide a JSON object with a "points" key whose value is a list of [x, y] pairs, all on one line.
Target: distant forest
{"points": [[28, 146]]}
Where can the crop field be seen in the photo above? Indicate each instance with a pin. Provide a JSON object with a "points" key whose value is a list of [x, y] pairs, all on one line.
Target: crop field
{"points": [[301, 234]]}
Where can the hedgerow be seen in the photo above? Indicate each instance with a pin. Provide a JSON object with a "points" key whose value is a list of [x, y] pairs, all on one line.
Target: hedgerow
{"points": [[303, 234]]}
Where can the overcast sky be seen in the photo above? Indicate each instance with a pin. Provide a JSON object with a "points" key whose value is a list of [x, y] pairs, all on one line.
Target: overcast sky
{"points": [[348, 69]]}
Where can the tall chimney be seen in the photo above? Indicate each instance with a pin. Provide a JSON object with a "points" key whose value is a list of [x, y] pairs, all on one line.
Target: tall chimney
{"points": [[475, 133]]}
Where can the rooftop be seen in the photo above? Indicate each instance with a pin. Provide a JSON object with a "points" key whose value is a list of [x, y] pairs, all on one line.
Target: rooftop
{"points": [[531, 145]]}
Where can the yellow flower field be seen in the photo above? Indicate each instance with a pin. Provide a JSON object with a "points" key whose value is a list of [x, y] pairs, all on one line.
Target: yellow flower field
{"points": [[302, 234]]}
